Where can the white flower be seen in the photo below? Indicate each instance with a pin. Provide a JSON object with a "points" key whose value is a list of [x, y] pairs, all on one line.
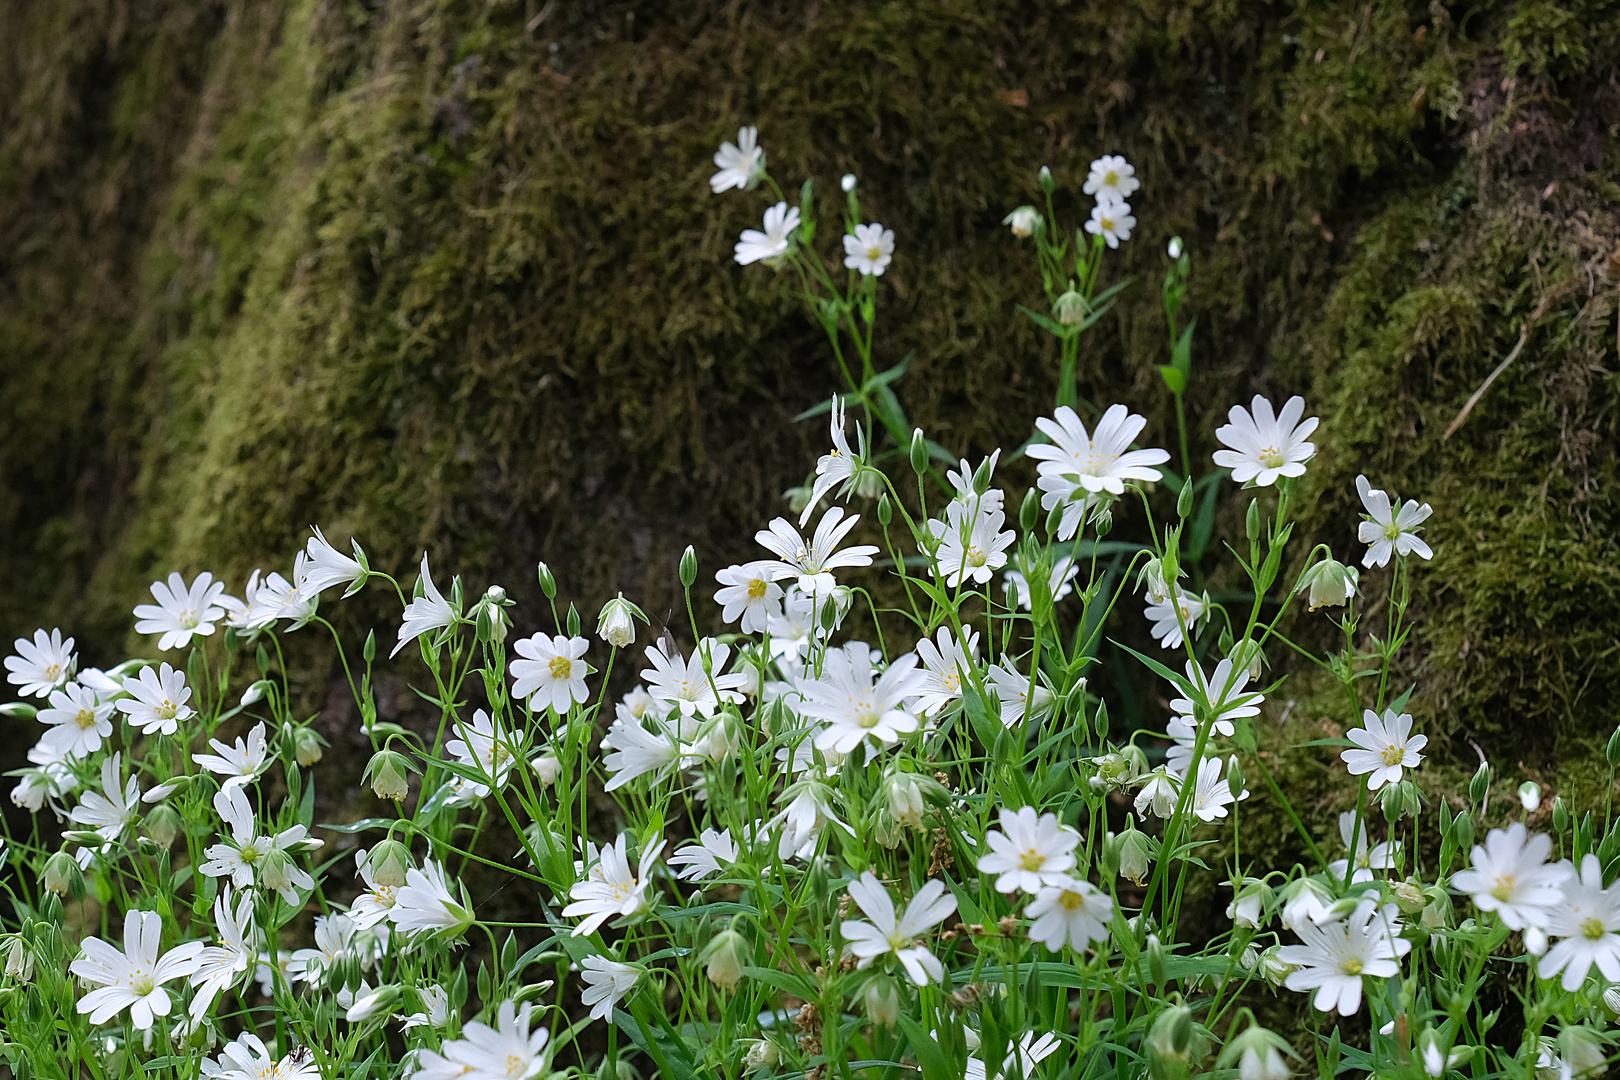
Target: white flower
{"points": [[1069, 912], [1166, 627], [869, 249], [483, 749], [551, 671], [79, 721], [1159, 794], [711, 854], [1333, 959], [334, 941], [1028, 1054], [972, 545], [327, 567], [1223, 689], [1264, 446], [115, 808], [837, 466], [1377, 857], [1390, 531], [754, 245], [277, 598], [1061, 581], [851, 706], [1213, 794], [247, 1058], [157, 701], [240, 763], [806, 816], [749, 594], [1386, 746], [1111, 219], [611, 889], [886, 934], [1030, 852], [1586, 919], [1012, 691], [247, 850], [1511, 876], [181, 612], [221, 966], [435, 1008], [41, 665], [1075, 463], [1305, 900], [944, 669], [507, 1051], [425, 904], [686, 685], [1111, 176], [430, 611], [813, 563], [740, 164], [132, 979], [1023, 221], [606, 984]]}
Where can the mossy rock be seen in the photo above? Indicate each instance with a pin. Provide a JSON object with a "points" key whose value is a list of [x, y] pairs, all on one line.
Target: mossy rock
{"points": [[449, 276]]}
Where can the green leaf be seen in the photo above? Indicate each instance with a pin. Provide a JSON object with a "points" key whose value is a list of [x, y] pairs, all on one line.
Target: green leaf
{"points": [[1160, 670], [364, 825], [797, 985], [884, 378], [1049, 325], [930, 1058], [1174, 378]]}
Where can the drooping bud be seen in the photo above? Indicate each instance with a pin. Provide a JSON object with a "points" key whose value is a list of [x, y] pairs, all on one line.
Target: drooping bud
{"points": [[387, 771], [63, 877], [389, 862], [547, 767], [1259, 1055], [163, 824], [761, 1054], [1023, 221], [1410, 898], [278, 871], [726, 955], [1137, 850], [1070, 308], [19, 961], [307, 747], [881, 997], [1530, 796], [1329, 583], [1174, 248], [616, 624]]}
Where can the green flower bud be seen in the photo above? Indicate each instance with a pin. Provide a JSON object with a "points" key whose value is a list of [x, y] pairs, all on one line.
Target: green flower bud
{"points": [[919, 452], [548, 584], [689, 567], [1612, 752], [63, 877], [1463, 829], [885, 512], [1070, 308], [163, 824], [387, 771], [727, 953], [881, 997], [1409, 897], [379, 1002], [1480, 785], [1251, 520], [1184, 501], [307, 747], [1560, 814], [388, 863], [1174, 1043], [1029, 510], [1048, 185], [1329, 583]]}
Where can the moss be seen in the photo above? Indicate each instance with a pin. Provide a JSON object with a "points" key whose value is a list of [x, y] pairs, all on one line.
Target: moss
{"points": [[418, 272]]}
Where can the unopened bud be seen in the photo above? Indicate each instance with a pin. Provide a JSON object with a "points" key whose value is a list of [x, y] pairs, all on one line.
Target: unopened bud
{"points": [[306, 747], [1251, 520], [1070, 308], [882, 1000], [1029, 511], [1173, 249], [688, 567], [388, 863], [885, 511], [1560, 814], [919, 452], [63, 877], [1480, 785], [727, 954], [847, 183], [163, 824], [1047, 183], [1463, 828], [1409, 897], [548, 584]]}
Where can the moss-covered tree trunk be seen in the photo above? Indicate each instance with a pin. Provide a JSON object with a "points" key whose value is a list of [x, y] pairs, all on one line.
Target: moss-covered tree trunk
{"points": [[448, 275]]}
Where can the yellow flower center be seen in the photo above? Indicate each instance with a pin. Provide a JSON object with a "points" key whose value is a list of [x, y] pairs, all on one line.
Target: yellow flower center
{"points": [[1032, 860], [53, 673], [561, 667], [515, 1065], [1352, 966], [142, 983], [975, 557], [1592, 928], [188, 619], [86, 719], [1110, 178], [868, 718], [757, 587], [1392, 531], [168, 709], [1271, 457], [1071, 901], [874, 253], [1393, 755], [1107, 224], [1503, 890]]}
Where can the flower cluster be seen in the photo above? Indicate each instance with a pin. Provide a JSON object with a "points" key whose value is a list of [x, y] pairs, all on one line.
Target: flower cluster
{"points": [[842, 828]]}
